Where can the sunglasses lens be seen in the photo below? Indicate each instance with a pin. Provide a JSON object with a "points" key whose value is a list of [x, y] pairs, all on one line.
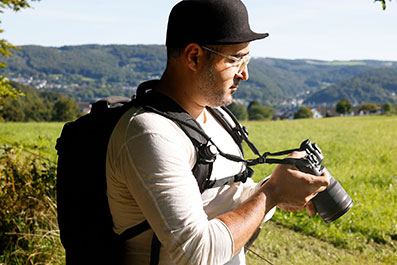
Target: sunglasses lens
{"points": [[243, 64]]}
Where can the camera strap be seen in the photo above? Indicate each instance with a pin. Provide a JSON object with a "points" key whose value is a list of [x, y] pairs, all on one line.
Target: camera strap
{"points": [[299, 162], [261, 159]]}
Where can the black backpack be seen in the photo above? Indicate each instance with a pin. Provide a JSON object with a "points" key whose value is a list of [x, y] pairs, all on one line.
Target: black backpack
{"points": [[83, 212], [84, 217]]}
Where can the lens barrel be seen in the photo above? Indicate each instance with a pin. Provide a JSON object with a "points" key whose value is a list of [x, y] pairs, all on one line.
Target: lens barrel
{"points": [[333, 202]]}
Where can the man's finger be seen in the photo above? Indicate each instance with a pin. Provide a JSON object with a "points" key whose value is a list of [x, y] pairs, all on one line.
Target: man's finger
{"points": [[310, 209], [321, 181]]}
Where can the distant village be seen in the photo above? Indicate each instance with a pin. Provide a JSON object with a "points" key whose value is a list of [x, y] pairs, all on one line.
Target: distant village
{"points": [[286, 109], [323, 111]]}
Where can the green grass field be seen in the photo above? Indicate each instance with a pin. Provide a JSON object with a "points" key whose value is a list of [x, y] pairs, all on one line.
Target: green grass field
{"points": [[360, 152], [39, 138]]}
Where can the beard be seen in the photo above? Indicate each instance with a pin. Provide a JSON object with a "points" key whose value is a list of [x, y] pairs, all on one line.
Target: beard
{"points": [[214, 94]]}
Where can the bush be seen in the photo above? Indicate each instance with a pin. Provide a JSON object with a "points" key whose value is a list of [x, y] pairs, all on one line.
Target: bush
{"points": [[239, 110], [259, 112], [369, 107], [65, 109], [28, 225], [303, 113], [387, 108]]}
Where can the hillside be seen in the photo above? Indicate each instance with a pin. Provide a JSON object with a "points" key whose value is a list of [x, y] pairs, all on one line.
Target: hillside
{"points": [[88, 72], [376, 86], [276, 80]]}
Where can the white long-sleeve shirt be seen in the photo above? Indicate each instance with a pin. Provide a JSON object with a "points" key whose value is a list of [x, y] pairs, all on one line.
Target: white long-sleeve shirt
{"points": [[148, 167]]}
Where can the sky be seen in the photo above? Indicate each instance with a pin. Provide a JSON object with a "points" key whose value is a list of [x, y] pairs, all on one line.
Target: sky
{"points": [[299, 29]]}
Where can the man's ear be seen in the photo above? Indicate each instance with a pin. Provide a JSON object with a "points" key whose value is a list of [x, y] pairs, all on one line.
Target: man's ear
{"points": [[193, 55]]}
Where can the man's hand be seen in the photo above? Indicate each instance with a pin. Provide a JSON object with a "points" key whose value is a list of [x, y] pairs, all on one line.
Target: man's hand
{"points": [[292, 190], [310, 209], [287, 188]]}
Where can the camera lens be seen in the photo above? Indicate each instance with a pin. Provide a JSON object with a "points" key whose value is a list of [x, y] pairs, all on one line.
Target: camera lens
{"points": [[333, 202]]}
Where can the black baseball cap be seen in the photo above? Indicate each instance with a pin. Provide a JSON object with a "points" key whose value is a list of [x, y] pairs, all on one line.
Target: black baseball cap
{"points": [[209, 22]]}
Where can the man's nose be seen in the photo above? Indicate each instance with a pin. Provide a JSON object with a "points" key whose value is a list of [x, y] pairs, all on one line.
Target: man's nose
{"points": [[244, 74]]}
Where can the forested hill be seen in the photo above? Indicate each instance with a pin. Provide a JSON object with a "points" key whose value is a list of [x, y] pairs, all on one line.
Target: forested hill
{"points": [[376, 85], [88, 72]]}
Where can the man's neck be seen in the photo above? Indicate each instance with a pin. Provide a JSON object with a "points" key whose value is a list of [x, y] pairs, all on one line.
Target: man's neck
{"points": [[178, 90]]}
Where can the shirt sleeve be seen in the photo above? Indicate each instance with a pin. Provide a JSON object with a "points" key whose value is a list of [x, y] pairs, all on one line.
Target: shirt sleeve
{"points": [[156, 163]]}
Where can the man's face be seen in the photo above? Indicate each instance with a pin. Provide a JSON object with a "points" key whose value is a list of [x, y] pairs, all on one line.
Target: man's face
{"points": [[220, 76]]}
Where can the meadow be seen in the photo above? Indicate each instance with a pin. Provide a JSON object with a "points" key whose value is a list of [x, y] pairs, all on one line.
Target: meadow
{"points": [[360, 152]]}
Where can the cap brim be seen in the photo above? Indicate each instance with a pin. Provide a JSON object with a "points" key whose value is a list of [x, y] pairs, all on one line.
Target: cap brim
{"points": [[252, 36], [259, 36]]}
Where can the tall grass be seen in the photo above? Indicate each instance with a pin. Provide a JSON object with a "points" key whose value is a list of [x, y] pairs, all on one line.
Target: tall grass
{"points": [[28, 224]]}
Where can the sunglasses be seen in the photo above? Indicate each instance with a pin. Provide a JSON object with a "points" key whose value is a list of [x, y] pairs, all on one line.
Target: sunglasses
{"points": [[241, 63]]}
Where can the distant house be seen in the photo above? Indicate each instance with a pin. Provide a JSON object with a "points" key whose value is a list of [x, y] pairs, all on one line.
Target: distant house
{"points": [[316, 114], [360, 111], [328, 112], [84, 107], [284, 115]]}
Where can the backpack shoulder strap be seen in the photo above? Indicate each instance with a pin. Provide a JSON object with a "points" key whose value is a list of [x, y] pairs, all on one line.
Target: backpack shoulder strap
{"points": [[164, 106], [135, 230], [220, 117], [241, 132]]}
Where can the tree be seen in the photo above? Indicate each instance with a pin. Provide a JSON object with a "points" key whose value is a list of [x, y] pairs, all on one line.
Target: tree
{"points": [[369, 107], [12, 111], [6, 90], [65, 109], [387, 108], [253, 103], [383, 3], [239, 110], [303, 113], [259, 112], [35, 105], [343, 106]]}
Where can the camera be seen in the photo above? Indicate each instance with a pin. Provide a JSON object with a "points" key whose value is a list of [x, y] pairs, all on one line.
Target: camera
{"points": [[334, 201]]}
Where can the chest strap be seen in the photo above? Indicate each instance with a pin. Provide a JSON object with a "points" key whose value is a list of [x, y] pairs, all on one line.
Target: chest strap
{"points": [[241, 177]]}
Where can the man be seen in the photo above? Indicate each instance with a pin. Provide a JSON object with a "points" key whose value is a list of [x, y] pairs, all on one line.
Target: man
{"points": [[150, 159]]}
